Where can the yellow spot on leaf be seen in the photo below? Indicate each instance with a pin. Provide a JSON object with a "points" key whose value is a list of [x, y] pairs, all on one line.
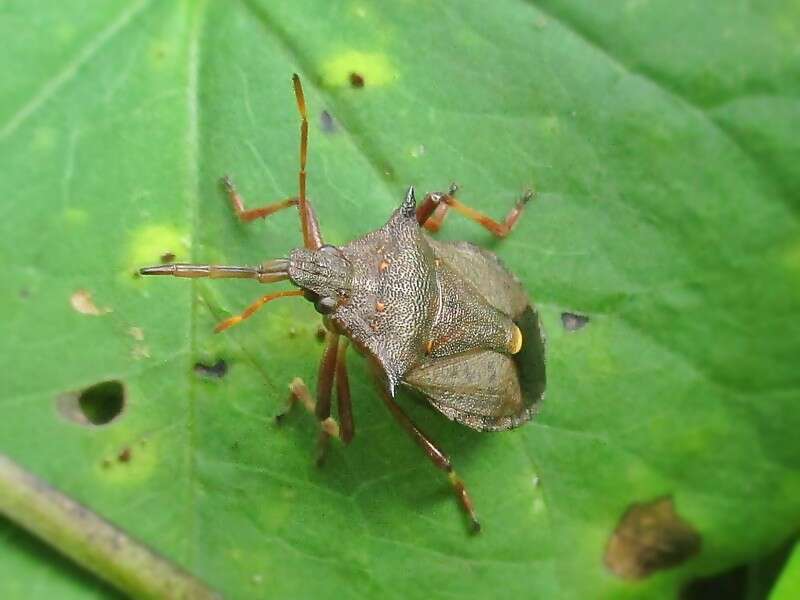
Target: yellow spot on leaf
{"points": [[373, 67], [75, 216], [791, 262], [128, 462], [43, 139], [150, 243], [792, 258]]}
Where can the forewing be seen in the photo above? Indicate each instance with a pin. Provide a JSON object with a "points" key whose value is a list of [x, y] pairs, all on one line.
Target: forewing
{"points": [[484, 271], [479, 389]]}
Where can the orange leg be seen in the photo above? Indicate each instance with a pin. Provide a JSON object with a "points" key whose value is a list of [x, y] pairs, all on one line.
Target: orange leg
{"points": [[332, 369], [437, 457], [247, 215], [327, 373], [248, 312], [433, 209], [312, 237], [345, 408]]}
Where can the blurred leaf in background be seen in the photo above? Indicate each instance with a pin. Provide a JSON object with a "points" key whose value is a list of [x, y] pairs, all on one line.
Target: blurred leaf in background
{"points": [[662, 140]]}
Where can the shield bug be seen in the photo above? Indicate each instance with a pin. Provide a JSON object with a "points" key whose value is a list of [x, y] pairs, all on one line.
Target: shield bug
{"points": [[445, 319]]}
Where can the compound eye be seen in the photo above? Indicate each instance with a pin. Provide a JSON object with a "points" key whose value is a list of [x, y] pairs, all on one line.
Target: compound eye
{"points": [[325, 305]]}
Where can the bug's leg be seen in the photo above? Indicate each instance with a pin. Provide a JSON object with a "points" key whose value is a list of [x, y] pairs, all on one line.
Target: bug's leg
{"points": [[330, 367], [439, 458], [430, 209], [312, 237], [433, 223], [247, 312], [322, 410], [246, 215], [345, 408], [299, 393]]}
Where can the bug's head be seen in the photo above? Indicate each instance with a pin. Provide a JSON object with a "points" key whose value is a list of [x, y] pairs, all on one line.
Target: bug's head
{"points": [[324, 275]]}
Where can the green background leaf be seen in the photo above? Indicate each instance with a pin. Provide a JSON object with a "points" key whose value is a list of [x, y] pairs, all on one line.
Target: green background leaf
{"points": [[662, 141]]}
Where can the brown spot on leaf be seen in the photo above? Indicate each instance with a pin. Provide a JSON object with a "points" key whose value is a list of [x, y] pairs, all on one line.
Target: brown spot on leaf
{"points": [[356, 80], [650, 536], [124, 455], [82, 301], [167, 257]]}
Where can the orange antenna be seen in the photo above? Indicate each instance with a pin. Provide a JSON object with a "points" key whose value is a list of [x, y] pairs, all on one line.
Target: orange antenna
{"points": [[301, 107]]}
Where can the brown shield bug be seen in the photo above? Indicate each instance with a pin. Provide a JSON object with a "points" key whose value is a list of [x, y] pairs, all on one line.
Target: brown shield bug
{"points": [[445, 319]]}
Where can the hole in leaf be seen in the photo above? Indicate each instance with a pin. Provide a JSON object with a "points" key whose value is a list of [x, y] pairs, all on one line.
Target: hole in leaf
{"points": [[572, 321], [98, 404], [217, 370], [650, 536]]}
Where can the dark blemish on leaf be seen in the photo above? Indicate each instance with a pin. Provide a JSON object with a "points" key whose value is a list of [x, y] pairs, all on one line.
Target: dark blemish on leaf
{"points": [[728, 585], [356, 80], [98, 404], [327, 122], [650, 536], [167, 257], [572, 321], [218, 369], [321, 333], [24, 293], [125, 455]]}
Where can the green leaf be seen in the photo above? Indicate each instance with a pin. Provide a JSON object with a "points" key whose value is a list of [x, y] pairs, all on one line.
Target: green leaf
{"points": [[661, 141], [788, 585]]}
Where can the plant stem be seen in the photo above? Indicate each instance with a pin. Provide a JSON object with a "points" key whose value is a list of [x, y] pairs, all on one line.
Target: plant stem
{"points": [[90, 540]]}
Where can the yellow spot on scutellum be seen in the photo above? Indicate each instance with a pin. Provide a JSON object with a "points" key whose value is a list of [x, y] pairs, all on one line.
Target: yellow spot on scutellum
{"points": [[148, 244], [373, 67], [516, 341]]}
